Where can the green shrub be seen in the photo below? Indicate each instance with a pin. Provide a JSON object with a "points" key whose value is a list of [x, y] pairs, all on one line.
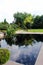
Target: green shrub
{"points": [[10, 31], [4, 56]]}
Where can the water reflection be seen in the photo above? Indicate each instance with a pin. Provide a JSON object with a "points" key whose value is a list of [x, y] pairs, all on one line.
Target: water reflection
{"points": [[23, 54]]}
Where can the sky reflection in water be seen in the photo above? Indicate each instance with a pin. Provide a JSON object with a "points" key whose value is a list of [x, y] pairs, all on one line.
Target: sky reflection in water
{"points": [[24, 54]]}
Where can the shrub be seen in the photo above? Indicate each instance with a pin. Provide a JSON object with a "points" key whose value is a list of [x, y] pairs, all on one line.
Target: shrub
{"points": [[10, 31], [4, 56]]}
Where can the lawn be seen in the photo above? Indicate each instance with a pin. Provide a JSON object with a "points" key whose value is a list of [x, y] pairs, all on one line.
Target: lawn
{"points": [[29, 30], [35, 30]]}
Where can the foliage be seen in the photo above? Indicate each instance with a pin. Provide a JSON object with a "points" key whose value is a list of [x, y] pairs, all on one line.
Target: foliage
{"points": [[5, 22], [4, 25], [20, 19], [15, 26], [28, 21], [23, 21], [10, 31], [4, 56], [10, 35], [38, 22]]}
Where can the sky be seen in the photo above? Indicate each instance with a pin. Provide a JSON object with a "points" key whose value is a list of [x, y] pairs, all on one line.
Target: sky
{"points": [[9, 7]]}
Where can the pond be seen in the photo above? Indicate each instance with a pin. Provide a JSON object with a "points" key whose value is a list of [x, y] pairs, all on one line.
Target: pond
{"points": [[26, 55]]}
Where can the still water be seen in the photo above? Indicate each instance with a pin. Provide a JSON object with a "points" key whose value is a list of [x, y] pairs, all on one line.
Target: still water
{"points": [[26, 55]]}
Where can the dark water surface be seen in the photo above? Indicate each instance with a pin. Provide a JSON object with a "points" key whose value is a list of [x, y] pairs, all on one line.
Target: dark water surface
{"points": [[24, 54]]}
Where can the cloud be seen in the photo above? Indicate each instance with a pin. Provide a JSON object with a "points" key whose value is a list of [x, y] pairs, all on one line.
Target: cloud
{"points": [[9, 7]]}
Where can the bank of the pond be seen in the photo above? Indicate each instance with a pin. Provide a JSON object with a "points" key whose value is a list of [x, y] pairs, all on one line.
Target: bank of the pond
{"points": [[23, 31]]}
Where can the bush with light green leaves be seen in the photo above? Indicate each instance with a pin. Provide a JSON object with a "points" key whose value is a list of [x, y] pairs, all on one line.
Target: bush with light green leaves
{"points": [[4, 56]]}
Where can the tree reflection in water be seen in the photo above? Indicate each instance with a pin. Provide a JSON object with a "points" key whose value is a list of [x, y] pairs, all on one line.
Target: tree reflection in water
{"points": [[23, 39]]}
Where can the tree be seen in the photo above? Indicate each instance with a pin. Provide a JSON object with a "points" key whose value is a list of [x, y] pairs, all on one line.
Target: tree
{"points": [[28, 21], [5, 22], [4, 25], [41, 22], [19, 19], [38, 22]]}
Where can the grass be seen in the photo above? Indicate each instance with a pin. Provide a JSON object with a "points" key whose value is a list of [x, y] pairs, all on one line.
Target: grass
{"points": [[30, 30], [23, 30], [35, 30]]}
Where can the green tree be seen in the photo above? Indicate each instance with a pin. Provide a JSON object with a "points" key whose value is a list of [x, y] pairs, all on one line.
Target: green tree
{"points": [[4, 25], [19, 19], [38, 22], [5, 21], [28, 21]]}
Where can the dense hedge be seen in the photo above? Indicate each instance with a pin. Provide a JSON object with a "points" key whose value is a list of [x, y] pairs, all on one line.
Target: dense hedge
{"points": [[4, 56]]}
